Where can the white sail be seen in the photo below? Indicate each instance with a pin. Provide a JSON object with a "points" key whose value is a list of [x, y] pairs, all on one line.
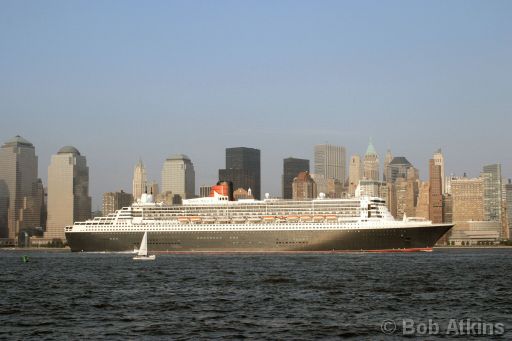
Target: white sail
{"points": [[143, 249]]}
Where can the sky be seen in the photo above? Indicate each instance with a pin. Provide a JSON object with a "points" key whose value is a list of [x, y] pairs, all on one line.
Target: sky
{"points": [[123, 80]]}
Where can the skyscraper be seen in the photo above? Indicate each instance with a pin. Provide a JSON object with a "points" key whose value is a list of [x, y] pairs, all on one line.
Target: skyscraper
{"points": [[304, 187], [21, 192], [467, 199], [387, 171], [330, 161], [508, 201], [291, 168], [68, 191], [355, 173], [178, 176], [371, 163], [492, 192], [113, 201], [435, 192], [243, 169], [139, 180], [398, 168], [439, 161]]}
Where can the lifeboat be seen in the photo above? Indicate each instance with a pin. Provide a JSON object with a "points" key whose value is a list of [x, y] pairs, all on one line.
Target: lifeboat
{"points": [[292, 218], [269, 219], [331, 217], [223, 220], [208, 220], [183, 220], [318, 218], [196, 220], [305, 218], [239, 220], [254, 220]]}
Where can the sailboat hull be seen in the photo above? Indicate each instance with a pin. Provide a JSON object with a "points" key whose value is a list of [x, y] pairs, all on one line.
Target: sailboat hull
{"points": [[150, 257]]}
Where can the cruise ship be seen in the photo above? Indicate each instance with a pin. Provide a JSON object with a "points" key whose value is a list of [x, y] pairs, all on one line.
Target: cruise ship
{"points": [[219, 224]]}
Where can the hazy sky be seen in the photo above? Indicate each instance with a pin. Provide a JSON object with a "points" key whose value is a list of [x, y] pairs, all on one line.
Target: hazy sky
{"points": [[121, 80]]}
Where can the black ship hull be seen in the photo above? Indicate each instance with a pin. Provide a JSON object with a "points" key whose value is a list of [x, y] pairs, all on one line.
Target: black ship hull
{"points": [[421, 238]]}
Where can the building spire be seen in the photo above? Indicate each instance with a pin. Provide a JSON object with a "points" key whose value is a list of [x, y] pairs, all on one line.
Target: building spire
{"points": [[371, 149]]}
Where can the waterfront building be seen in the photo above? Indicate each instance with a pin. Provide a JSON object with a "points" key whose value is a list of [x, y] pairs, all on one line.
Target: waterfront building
{"points": [[291, 168], [304, 187], [178, 176], [492, 192], [447, 208], [439, 161], [21, 192], [508, 200], [436, 191], [68, 191], [355, 173], [387, 170], [243, 169], [330, 161], [475, 233], [139, 183], [204, 191], [467, 199], [371, 166], [113, 201]]}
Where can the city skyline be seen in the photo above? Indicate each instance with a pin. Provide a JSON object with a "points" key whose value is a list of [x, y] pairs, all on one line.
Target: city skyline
{"points": [[97, 200], [415, 78]]}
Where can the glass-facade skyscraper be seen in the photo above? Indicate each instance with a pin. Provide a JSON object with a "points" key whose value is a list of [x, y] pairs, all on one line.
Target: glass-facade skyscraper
{"points": [[243, 169], [291, 168], [492, 192]]}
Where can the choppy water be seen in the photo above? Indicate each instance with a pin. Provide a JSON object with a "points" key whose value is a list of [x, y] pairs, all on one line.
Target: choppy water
{"points": [[299, 296]]}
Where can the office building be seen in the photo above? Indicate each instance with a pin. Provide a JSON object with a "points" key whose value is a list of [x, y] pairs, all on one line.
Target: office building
{"points": [[304, 187], [492, 192], [330, 161], [439, 161], [398, 168], [21, 192], [113, 201], [508, 201], [332, 188], [243, 169], [204, 191], [291, 168], [467, 199], [68, 191], [355, 173], [178, 177], [436, 192], [371, 165], [422, 207], [387, 170], [139, 183]]}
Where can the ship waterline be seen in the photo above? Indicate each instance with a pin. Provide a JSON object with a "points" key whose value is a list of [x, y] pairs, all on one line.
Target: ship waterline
{"points": [[216, 224]]}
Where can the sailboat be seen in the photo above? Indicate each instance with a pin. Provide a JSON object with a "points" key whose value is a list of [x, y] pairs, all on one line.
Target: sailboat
{"points": [[143, 249]]}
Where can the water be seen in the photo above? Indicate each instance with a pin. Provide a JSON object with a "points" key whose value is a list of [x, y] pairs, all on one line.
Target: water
{"points": [[299, 296]]}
